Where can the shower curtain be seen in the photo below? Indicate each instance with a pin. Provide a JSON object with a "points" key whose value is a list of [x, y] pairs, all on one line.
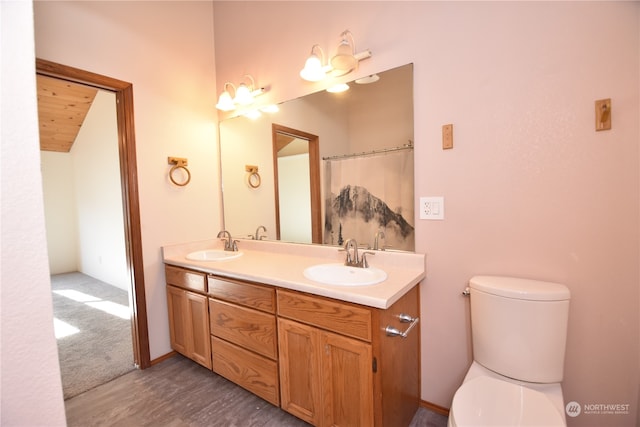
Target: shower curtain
{"points": [[367, 194]]}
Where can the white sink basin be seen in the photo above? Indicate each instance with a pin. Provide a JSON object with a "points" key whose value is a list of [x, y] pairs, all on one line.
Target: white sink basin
{"points": [[342, 275], [213, 255]]}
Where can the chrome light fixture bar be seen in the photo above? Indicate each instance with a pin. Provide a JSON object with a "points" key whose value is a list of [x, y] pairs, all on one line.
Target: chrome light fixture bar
{"points": [[343, 62]]}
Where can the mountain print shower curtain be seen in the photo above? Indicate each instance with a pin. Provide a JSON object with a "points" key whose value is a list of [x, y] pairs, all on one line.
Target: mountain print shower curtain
{"points": [[364, 195]]}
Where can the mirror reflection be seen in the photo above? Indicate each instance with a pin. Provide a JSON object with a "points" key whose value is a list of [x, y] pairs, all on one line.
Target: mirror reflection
{"points": [[297, 180], [330, 166]]}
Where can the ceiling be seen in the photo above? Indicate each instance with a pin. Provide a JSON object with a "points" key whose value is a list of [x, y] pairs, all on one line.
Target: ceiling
{"points": [[62, 107]]}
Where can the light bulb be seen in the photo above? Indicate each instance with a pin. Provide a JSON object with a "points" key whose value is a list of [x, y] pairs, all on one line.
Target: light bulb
{"points": [[243, 95], [312, 70], [225, 102], [340, 87]]}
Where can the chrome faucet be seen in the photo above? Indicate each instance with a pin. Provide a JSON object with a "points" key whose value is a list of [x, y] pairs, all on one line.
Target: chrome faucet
{"points": [[353, 260], [376, 247], [258, 236], [229, 243]]}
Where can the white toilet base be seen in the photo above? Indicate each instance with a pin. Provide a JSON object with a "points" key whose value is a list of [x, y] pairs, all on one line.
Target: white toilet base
{"points": [[543, 400]]}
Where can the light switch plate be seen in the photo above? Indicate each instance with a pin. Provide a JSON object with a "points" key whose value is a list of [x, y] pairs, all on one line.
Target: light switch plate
{"points": [[432, 208]]}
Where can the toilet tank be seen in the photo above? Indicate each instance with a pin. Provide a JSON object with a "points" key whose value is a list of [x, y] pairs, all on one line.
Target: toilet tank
{"points": [[519, 327]]}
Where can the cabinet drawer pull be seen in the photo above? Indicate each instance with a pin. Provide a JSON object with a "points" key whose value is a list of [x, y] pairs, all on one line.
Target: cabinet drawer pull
{"points": [[405, 318]]}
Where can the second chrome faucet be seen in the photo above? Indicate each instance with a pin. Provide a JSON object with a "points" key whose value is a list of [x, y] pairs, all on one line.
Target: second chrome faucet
{"points": [[259, 236], [229, 243], [353, 259]]}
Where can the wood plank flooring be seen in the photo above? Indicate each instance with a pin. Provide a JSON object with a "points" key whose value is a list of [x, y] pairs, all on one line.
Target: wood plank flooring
{"points": [[179, 392]]}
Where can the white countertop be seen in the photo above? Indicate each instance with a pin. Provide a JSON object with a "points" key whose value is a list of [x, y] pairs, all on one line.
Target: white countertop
{"points": [[282, 264]]}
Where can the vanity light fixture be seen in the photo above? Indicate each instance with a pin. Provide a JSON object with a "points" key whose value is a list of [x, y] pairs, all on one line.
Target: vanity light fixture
{"points": [[256, 113], [225, 101], [271, 108], [343, 62], [252, 114], [340, 87], [244, 95], [368, 79], [314, 70]]}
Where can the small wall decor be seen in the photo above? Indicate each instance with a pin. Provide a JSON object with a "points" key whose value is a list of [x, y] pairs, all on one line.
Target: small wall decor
{"points": [[253, 178], [179, 163], [603, 114]]}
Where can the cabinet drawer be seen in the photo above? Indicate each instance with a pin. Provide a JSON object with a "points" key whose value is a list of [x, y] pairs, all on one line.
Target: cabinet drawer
{"points": [[342, 318], [243, 326], [185, 279], [257, 374], [250, 295]]}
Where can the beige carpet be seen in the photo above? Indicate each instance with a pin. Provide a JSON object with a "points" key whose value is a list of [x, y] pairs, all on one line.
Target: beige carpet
{"points": [[99, 346]]}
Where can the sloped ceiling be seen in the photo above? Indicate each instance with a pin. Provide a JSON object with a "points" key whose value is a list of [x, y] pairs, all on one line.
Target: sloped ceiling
{"points": [[62, 108]]}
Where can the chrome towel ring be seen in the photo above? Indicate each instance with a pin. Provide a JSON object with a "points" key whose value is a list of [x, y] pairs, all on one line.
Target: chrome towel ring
{"points": [[179, 163]]}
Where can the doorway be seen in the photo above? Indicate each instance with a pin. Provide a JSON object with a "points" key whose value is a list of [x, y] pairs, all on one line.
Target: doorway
{"points": [[129, 188], [296, 166]]}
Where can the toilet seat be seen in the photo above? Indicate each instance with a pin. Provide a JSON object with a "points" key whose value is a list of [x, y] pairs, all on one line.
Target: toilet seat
{"points": [[486, 401]]}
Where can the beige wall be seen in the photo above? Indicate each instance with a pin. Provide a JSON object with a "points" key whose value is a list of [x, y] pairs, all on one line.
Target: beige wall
{"points": [[530, 188], [60, 211]]}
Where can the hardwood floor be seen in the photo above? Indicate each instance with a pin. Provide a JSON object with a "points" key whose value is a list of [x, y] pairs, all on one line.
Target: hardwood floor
{"points": [[179, 392]]}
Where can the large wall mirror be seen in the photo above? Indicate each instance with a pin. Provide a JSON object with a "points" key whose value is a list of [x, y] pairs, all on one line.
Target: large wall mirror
{"points": [[326, 167]]}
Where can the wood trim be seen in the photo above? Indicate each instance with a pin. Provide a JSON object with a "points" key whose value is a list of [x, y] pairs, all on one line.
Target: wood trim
{"points": [[435, 408], [129, 177], [164, 357], [314, 181]]}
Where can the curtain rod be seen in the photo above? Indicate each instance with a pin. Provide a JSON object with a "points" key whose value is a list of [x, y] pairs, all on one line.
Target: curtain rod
{"points": [[408, 146]]}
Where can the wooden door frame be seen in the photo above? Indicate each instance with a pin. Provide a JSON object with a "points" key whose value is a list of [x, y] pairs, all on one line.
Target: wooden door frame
{"points": [[129, 178], [314, 178]]}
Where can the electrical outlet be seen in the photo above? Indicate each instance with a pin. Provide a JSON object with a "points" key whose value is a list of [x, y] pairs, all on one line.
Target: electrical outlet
{"points": [[431, 207]]}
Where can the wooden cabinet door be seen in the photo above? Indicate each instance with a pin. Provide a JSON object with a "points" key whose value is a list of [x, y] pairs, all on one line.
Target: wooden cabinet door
{"points": [[197, 317], [347, 379], [176, 303], [300, 386], [189, 325]]}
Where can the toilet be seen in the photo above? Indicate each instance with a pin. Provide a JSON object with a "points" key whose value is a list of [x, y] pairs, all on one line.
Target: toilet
{"points": [[519, 330]]}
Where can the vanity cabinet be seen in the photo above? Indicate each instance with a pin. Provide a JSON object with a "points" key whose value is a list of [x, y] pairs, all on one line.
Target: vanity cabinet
{"points": [[188, 314], [326, 361], [243, 335], [355, 374]]}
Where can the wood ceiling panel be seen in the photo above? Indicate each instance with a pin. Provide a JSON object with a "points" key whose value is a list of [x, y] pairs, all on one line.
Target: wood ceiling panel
{"points": [[62, 108]]}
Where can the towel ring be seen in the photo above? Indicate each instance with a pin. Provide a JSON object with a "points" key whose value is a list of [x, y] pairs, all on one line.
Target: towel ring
{"points": [[253, 179], [179, 163]]}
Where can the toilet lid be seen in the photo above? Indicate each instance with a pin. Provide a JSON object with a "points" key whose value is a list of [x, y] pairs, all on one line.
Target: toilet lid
{"points": [[485, 401]]}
